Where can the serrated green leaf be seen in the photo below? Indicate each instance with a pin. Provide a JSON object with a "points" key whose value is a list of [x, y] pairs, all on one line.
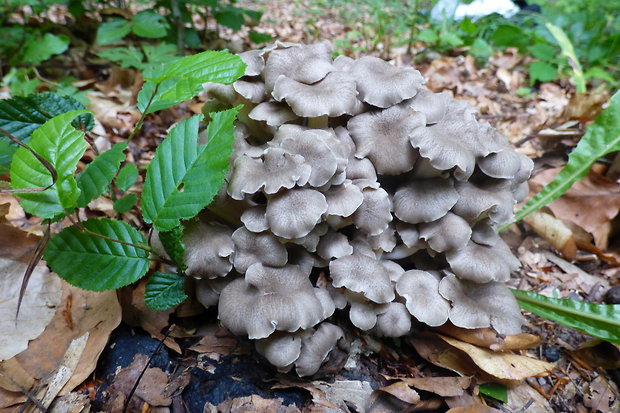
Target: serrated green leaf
{"points": [[125, 56], [169, 93], [6, 155], [161, 53], [20, 116], [38, 50], [127, 177], [601, 138], [125, 204], [149, 23], [184, 177], [98, 174], [497, 391], [542, 72], [598, 320], [112, 31], [59, 143], [164, 291], [209, 66], [173, 244], [95, 263]]}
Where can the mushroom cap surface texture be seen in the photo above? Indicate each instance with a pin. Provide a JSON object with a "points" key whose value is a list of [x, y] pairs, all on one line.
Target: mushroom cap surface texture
{"points": [[353, 189]]}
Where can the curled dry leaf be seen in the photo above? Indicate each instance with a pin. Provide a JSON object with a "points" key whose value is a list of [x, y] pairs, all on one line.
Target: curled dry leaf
{"points": [[554, 231], [442, 386], [402, 391], [249, 404], [486, 337]]}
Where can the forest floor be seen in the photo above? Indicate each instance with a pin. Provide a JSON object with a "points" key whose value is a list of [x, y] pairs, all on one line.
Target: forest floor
{"points": [[182, 361]]}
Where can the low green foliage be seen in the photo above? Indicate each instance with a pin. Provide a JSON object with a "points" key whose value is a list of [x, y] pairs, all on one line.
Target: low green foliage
{"points": [[127, 176], [598, 320], [98, 174], [601, 138], [173, 244], [164, 291], [498, 391]]}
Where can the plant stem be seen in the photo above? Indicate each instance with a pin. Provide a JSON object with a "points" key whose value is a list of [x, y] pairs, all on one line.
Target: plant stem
{"points": [[143, 116], [94, 234]]}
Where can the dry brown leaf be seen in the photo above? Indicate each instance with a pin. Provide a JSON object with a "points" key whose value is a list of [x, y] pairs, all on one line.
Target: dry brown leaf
{"points": [[554, 231], [71, 403], [599, 353], [503, 366], [217, 341], [474, 408], [602, 396], [522, 395], [402, 391], [442, 386], [248, 404], [590, 203], [39, 302], [486, 337], [337, 393], [4, 210]]}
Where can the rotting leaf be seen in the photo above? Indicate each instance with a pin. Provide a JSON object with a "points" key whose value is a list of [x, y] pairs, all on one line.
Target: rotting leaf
{"points": [[486, 337], [402, 391]]}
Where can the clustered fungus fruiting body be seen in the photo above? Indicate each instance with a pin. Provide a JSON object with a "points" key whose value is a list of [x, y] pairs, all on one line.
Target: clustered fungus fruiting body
{"points": [[353, 170]]}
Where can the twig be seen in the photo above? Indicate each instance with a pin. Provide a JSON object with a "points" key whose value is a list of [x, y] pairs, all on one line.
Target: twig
{"points": [[34, 260], [143, 116]]}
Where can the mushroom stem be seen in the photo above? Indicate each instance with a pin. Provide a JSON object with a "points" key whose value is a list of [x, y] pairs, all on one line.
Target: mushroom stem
{"points": [[320, 122]]}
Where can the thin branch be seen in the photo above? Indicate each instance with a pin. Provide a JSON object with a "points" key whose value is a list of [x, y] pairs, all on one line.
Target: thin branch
{"points": [[34, 260], [143, 116]]}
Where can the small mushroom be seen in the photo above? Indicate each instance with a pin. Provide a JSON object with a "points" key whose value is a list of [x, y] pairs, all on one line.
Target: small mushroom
{"points": [[393, 321], [316, 347], [381, 84], [362, 274], [424, 201], [269, 299], [254, 61], [334, 245], [343, 200], [254, 219], [281, 349], [476, 202], [272, 113], [481, 305], [333, 96], [450, 232], [254, 91], [481, 263], [374, 214], [420, 289], [432, 105], [294, 213], [251, 248], [208, 249], [383, 137]]}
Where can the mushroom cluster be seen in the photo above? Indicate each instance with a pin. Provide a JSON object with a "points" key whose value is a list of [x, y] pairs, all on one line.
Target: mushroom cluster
{"points": [[353, 186]]}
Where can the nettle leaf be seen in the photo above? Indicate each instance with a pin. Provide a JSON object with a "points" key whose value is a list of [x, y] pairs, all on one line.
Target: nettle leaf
{"points": [[98, 174], [598, 320], [209, 66], [184, 177], [173, 244], [112, 31], [601, 138], [127, 177], [94, 263], [164, 291], [38, 49], [169, 93], [149, 24], [20, 116], [59, 143], [125, 204]]}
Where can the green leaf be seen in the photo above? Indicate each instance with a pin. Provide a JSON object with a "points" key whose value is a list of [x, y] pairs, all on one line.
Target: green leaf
{"points": [[125, 56], [38, 50], [125, 204], [258, 38], [231, 17], [183, 177], [169, 93], [543, 51], [480, 49], [598, 320], [160, 53], [164, 291], [507, 35], [569, 52], [6, 155], [497, 391], [112, 31], [149, 24], [209, 66], [94, 263], [98, 174], [542, 72], [127, 177], [173, 244], [601, 138], [20, 116], [59, 143]]}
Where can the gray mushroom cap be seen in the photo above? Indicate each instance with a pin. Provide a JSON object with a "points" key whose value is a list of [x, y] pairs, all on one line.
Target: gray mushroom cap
{"points": [[374, 214], [294, 213], [424, 201], [272, 113], [334, 245], [482, 201], [363, 314], [208, 249], [362, 274], [251, 248], [254, 91], [393, 321], [420, 290], [432, 105], [254, 219], [343, 200], [316, 347], [383, 137], [307, 64], [481, 263], [280, 349], [381, 84], [482, 305], [269, 299], [451, 232], [254, 61], [333, 96]]}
